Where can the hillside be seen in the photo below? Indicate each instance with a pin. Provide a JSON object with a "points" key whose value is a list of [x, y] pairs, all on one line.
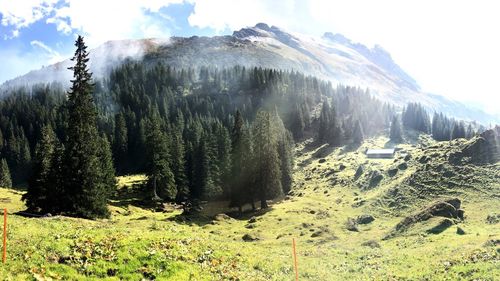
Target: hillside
{"points": [[332, 57], [350, 223]]}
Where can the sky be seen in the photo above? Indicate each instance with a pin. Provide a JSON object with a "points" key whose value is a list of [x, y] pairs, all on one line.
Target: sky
{"points": [[451, 47]]}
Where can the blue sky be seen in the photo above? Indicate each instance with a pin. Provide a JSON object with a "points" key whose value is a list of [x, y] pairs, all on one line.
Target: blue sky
{"points": [[449, 46]]}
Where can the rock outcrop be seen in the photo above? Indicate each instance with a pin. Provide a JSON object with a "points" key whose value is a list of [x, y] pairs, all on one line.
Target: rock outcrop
{"points": [[484, 149]]}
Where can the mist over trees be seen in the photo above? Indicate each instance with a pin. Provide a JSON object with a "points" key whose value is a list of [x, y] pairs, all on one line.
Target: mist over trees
{"points": [[198, 134]]}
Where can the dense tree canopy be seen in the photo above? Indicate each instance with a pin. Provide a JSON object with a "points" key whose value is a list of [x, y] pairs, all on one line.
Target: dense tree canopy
{"points": [[196, 133]]}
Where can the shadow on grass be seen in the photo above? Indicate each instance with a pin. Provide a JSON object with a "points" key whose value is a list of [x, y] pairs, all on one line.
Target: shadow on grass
{"points": [[135, 195], [205, 217]]}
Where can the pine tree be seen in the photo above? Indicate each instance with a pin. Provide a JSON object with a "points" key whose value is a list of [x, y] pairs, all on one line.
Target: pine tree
{"points": [[5, 179], [268, 173], [324, 123], [298, 122], [285, 151], [242, 171], [396, 132], [83, 179], [224, 159], [24, 166], [108, 177], [160, 177], [458, 130], [208, 171], [120, 144], [178, 166], [329, 130], [237, 191], [12, 152], [415, 117], [39, 194]]}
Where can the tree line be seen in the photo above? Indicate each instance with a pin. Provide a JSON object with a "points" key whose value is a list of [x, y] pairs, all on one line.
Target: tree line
{"points": [[198, 134], [442, 128]]}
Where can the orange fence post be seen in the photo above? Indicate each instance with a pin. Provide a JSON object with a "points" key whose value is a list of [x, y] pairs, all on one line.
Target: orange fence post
{"points": [[295, 260], [4, 254]]}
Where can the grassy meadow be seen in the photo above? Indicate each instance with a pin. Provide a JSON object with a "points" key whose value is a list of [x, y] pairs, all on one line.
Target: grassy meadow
{"points": [[141, 242]]}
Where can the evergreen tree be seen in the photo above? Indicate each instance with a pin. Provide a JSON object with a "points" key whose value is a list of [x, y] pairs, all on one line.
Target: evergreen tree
{"points": [[24, 166], [458, 130], [40, 186], [268, 173], [237, 156], [178, 166], [329, 130], [298, 122], [242, 172], [396, 132], [325, 121], [120, 144], [224, 159], [160, 177], [415, 117], [5, 179], [285, 152], [83, 179], [108, 177]]}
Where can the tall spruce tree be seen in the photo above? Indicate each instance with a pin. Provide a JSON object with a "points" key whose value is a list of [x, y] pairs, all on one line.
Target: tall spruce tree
{"points": [[178, 166], [5, 179], [268, 172], [223, 157], [285, 152], [160, 176], [237, 151], [329, 130], [84, 184]]}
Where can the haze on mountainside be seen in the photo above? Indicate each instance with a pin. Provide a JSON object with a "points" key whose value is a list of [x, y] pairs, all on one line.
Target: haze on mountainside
{"points": [[266, 154], [332, 57]]}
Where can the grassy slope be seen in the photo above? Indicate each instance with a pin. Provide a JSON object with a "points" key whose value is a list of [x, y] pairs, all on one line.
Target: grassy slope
{"points": [[140, 243]]}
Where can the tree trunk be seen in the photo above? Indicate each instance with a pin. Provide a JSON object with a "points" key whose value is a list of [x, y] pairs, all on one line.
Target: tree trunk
{"points": [[263, 203], [155, 194]]}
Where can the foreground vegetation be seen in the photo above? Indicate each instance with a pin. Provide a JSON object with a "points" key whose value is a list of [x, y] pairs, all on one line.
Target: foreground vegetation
{"points": [[148, 242]]}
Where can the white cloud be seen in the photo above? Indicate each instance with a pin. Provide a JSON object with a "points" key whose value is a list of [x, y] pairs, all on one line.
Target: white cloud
{"points": [[107, 20], [53, 55], [99, 20], [20, 14]]}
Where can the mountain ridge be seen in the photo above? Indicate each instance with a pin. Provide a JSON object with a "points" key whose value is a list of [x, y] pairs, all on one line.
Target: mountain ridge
{"points": [[332, 57]]}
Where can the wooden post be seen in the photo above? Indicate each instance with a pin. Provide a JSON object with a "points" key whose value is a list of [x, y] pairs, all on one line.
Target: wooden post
{"points": [[295, 260], [4, 254]]}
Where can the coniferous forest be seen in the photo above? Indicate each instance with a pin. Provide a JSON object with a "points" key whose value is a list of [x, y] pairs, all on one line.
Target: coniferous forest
{"points": [[198, 134]]}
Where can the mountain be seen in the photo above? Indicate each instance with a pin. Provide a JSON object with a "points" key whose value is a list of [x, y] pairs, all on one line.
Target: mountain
{"points": [[332, 57]]}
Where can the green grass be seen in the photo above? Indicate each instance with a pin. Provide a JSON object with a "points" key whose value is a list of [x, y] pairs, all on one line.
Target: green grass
{"points": [[138, 243]]}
